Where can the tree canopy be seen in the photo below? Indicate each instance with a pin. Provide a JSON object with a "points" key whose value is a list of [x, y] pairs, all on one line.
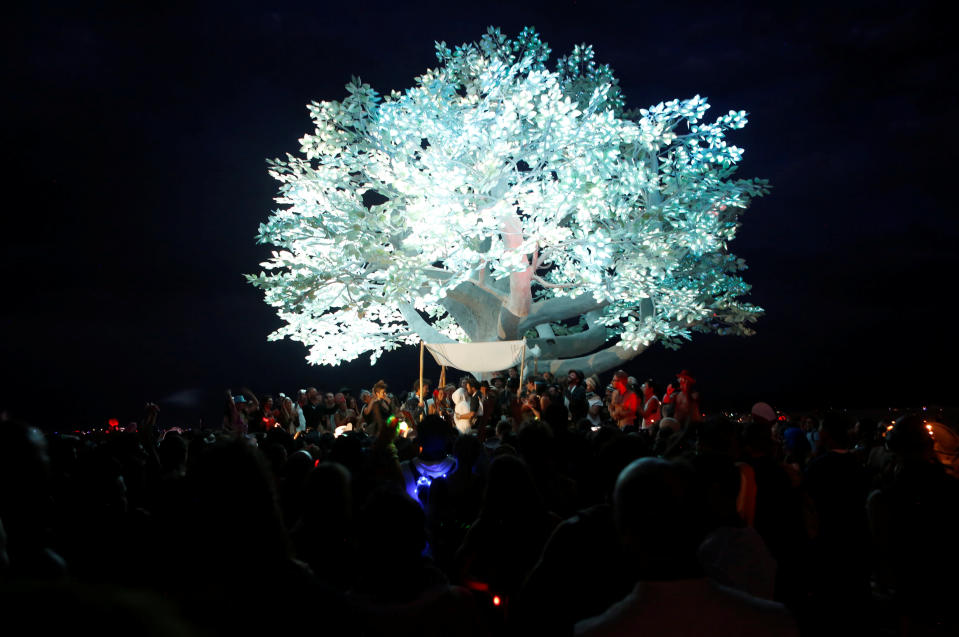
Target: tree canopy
{"points": [[500, 199]]}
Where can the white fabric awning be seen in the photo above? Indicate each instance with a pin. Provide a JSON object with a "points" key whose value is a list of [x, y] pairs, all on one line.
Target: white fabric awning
{"points": [[478, 357]]}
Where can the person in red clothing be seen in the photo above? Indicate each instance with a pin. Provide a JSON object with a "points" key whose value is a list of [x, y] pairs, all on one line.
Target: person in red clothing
{"points": [[625, 403]]}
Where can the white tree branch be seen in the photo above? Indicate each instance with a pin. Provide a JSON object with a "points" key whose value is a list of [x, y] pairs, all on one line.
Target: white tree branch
{"points": [[545, 331], [438, 273], [577, 344], [481, 283], [473, 310], [560, 308], [602, 361], [546, 284], [419, 325]]}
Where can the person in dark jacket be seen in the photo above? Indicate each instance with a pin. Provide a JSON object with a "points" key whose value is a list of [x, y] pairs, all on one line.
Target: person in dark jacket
{"points": [[576, 395]]}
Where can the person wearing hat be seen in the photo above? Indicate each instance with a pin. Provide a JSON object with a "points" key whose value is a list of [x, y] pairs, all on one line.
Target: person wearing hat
{"points": [[595, 413], [686, 400], [234, 419]]}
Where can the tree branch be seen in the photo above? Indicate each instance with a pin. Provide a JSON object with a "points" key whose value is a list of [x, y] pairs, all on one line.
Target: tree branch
{"points": [[480, 282], [474, 309], [536, 260], [602, 361], [462, 314], [438, 273], [558, 309], [419, 325], [572, 344], [545, 331], [546, 284], [520, 290], [507, 326]]}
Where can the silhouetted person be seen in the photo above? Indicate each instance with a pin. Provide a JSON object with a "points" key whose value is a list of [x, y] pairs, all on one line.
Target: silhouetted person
{"points": [[914, 520], [540, 450], [26, 505], [838, 485], [104, 538], [399, 591], [732, 553], [432, 461], [582, 570], [777, 510], [465, 492], [660, 519], [507, 538], [323, 536], [234, 572]]}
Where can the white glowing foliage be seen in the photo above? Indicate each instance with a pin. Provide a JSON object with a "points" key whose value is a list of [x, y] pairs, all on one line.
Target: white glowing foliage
{"points": [[399, 199]]}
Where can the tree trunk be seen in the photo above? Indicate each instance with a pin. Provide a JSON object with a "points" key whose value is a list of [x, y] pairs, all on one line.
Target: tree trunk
{"points": [[520, 283]]}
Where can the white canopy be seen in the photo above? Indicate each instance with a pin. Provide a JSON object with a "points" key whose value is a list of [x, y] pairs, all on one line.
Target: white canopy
{"points": [[477, 358]]}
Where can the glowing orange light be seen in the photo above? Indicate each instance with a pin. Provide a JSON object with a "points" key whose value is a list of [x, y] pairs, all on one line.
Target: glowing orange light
{"points": [[496, 600]]}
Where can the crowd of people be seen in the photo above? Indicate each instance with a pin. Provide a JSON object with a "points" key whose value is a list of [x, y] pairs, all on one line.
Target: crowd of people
{"points": [[474, 405], [552, 506]]}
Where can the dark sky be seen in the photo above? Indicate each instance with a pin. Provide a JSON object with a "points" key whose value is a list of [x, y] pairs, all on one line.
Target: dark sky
{"points": [[136, 142]]}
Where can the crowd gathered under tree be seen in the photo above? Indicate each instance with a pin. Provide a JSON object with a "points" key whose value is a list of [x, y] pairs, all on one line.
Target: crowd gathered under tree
{"points": [[502, 506]]}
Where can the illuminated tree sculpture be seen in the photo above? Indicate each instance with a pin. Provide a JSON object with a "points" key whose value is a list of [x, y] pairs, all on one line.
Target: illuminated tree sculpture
{"points": [[498, 199]]}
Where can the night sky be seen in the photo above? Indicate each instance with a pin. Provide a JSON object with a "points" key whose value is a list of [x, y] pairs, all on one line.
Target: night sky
{"points": [[136, 142]]}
